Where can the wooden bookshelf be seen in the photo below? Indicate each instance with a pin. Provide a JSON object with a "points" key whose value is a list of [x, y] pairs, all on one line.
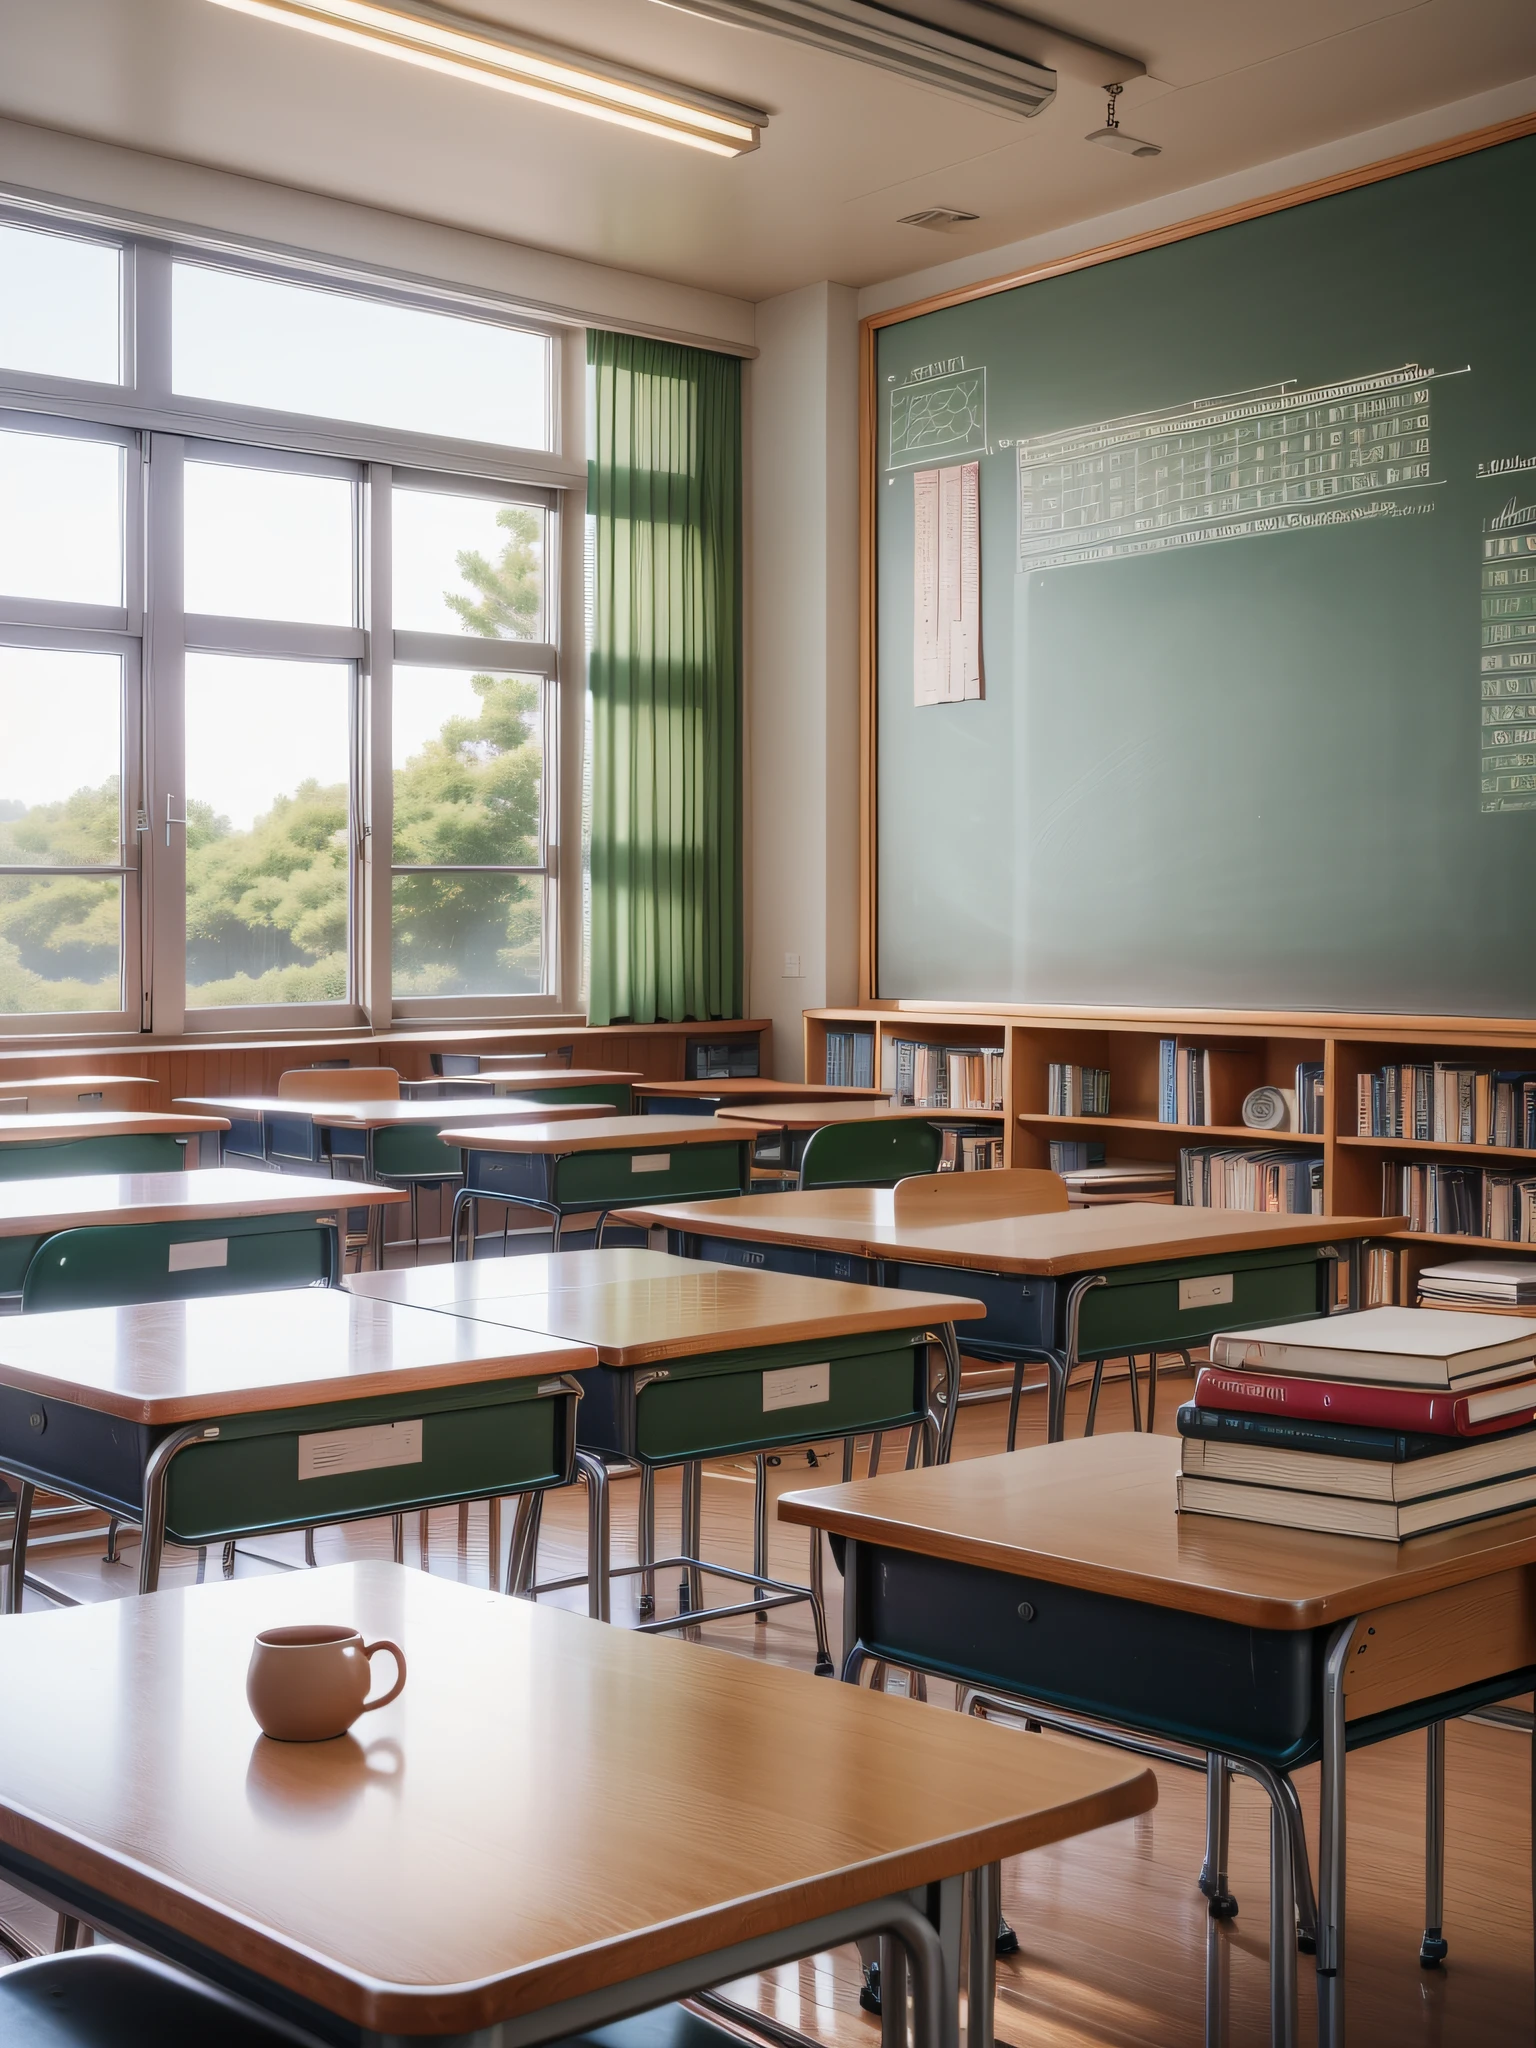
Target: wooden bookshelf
{"points": [[1266, 1048]]}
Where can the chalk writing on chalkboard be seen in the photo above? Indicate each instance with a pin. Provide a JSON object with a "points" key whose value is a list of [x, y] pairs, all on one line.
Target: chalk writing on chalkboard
{"points": [[1507, 666], [1273, 459], [938, 418]]}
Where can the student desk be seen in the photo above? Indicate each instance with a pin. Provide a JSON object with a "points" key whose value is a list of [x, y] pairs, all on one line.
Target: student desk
{"points": [[1062, 1287], [705, 1098], [555, 1825], [98, 1141], [793, 1122], [1063, 1576], [699, 1361], [611, 1087], [566, 1169], [77, 1091], [205, 1421], [84, 1240]]}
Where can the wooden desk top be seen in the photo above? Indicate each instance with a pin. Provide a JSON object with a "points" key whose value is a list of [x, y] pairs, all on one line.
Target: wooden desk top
{"points": [[591, 1804], [103, 1123], [740, 1089], [521, 1273], [641, 1318], [63, 1084], [593, 1134], [237, 1354], [68, 1201], [392, 1114], [1099, 1513], [803, 1114], [550, 1077], [868, 1222]]}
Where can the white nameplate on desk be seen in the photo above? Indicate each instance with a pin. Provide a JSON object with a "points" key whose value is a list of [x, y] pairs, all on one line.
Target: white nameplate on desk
{"points": [[368, 1449], [650, 1162], [202, 1251], [796, 1386], [1209, 1291]]}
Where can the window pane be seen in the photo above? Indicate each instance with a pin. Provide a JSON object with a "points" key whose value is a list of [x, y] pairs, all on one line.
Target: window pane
{"points": [[61, 519], [467, 565], [61, 943], [268, 834], [269, 544], [468, 765], [59, 306], [61, 751], [292, 348], [468, 935]]}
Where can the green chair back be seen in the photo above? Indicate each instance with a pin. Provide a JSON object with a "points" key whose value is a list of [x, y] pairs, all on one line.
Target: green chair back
{"points": [[876, 1154], [139, 1152], [110, 1265]]}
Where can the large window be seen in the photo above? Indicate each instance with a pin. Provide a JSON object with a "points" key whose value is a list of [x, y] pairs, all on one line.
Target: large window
{"points": [[281, 731]]}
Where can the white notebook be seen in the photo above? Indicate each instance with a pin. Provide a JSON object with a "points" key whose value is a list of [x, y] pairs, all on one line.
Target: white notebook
{"points": [[1410, 1347]]}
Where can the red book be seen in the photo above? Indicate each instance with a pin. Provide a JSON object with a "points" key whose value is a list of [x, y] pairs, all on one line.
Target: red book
{"points": [[1413, 1409]]}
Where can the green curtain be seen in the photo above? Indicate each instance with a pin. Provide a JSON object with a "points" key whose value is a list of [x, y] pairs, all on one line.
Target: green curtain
{"points": [[664, 491]]}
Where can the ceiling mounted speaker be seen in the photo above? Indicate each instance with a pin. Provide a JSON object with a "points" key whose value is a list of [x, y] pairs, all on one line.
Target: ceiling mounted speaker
{"points": [[965, 47]]}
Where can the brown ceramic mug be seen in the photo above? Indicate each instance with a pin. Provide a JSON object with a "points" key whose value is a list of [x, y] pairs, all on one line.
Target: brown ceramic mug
{"points": [[309, 1682]]}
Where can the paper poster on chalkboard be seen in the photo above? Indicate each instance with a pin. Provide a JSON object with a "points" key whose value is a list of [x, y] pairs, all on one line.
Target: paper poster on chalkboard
{"points": [[946, 585]]}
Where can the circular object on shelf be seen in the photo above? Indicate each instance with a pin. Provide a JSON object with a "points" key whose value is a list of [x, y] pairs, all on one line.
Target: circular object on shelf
{"points": [[1268, 1109]]}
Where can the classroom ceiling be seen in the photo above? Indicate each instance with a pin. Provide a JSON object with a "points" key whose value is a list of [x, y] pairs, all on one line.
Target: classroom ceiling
{"points": [[848, 149]]}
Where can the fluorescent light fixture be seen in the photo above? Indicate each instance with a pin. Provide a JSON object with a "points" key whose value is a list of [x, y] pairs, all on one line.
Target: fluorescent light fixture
{"points": [[1129, 145], [977, 64], [525, 66]]}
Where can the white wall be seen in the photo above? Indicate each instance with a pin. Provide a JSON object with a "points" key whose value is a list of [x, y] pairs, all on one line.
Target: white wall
{"points": [[802, 661]]}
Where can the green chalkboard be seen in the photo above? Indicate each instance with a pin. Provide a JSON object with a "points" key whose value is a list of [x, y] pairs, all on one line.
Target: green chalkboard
{"points": [[1257, 520]]}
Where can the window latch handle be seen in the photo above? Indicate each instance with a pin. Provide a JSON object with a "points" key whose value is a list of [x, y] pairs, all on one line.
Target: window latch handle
{"points": [[171, 818]]}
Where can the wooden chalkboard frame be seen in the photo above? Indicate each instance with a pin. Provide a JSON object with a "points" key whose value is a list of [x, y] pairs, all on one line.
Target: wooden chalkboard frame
{"points": [[1108, 252]]}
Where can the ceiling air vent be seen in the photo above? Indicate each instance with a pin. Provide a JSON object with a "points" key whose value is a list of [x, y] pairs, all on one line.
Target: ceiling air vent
{"points": [[940, 218]]}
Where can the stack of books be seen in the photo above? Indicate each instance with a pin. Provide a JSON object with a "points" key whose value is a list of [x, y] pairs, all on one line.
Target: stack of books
{"points": [[1385, 1424], [1117, 1180], [1479, 1283], [924, 1076], [970, 1152], [1076, 1091]]}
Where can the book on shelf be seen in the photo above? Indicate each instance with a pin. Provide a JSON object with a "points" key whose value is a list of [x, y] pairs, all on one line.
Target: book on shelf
{"points": [[1481, 1283], [1386, 1276], [1402, 1347], [1448, 1102], [850, 1059], [1364, 1464], [1362, 1404], [970, 1152], [1074, 1155], [924, 1076], [1382, 1521], [1076, 1091], [1310, 1116], [732, 1059], [1288, 1182], [1202, 1084], [1453, 1199]]}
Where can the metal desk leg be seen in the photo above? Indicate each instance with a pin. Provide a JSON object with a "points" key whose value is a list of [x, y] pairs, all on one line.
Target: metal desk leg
{"points": [[523, 1557], [944, 1423], [647, 1538], [16, 1570], [1218, 1821], [691, 1591], [1434, 1948], [156, 1477], [986, 1890], [893, 1993], [595, 1473], [493, 1540], [760, 1522], [851, 1662], [1082, 1285], [1331, 1853]]}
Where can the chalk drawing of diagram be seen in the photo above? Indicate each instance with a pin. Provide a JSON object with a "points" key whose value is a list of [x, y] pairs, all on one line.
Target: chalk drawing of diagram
{"points": [[938, 419]]}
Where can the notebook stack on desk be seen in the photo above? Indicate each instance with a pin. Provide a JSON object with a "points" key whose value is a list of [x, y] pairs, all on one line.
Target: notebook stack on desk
{"points": [[1479, 1283], [1386, 1424]]}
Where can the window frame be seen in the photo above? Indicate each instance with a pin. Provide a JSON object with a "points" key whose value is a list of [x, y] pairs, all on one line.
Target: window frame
{"points": [[166, 430]]}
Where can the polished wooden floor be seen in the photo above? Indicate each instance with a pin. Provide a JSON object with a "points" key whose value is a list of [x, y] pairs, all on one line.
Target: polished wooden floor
{"points": [[1117, 1950]]}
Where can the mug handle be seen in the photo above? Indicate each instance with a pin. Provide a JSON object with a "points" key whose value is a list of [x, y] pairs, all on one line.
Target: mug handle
{"points": [[398, 1654]]}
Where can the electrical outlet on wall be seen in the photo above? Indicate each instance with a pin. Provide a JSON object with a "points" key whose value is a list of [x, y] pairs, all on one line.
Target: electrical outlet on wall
{"points": [[792, 967]]}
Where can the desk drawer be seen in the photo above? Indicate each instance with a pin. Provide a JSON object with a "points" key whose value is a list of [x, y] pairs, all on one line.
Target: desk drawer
{"points": [[713, 1407], [1021, 1309], [486, 1440], [1216, 1684], [679, 1172], [782, 1258], [616, 1094], [1140, 1306]]}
